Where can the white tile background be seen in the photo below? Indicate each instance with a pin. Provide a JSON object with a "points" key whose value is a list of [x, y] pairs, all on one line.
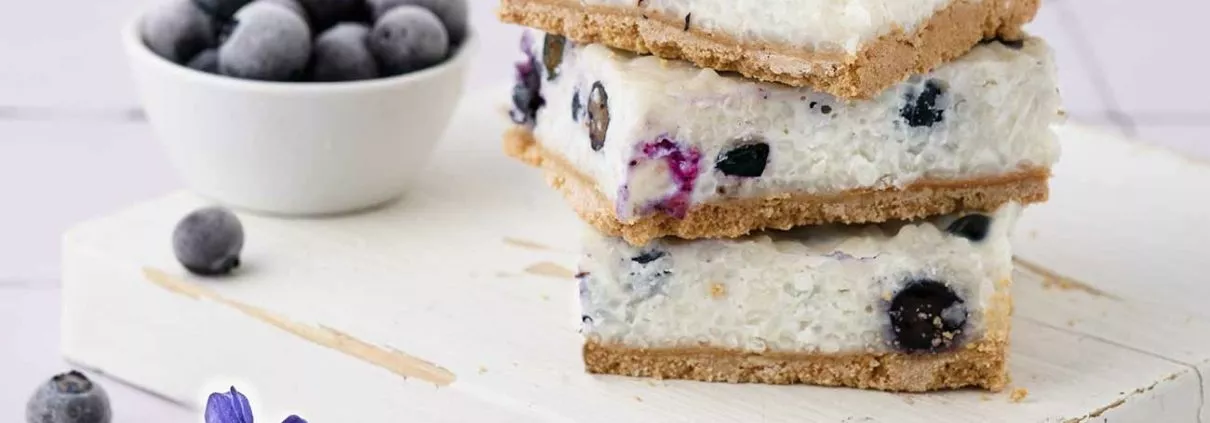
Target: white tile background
{"points": [[70, 150]]}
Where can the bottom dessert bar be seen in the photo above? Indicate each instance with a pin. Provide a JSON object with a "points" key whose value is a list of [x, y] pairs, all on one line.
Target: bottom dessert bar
{"points": [[901, 306]]}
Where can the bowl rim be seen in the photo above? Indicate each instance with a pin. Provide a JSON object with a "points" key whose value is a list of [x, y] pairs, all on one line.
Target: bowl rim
{"points": [[138, 50]]}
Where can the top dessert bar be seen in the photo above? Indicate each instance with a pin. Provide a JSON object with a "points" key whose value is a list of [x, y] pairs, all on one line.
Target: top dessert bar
{"points": [[847, 48]]}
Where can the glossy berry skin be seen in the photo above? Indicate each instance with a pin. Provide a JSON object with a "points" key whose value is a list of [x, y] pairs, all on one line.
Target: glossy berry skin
{"points": [[921, 109], [407, 39], [973, 227], [454, 14], [178, 30], [747, 160], [208, 242], [69, 398], [926, 316], [269, 42], [341, 54]]}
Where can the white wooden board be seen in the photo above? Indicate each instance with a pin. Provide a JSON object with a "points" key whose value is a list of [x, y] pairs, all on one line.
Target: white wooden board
{"points": [[456, 304]]}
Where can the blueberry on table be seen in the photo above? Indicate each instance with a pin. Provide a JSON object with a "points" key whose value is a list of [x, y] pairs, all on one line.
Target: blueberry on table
{"points": [[747, 160], [208, 241], [598, 115], [973, 227], [221, 9], [408, 38], [269, 42], [206, 61], [341, 54], [926, 316], [69, 398], [178, 30], [453, 14], [921, 108]]}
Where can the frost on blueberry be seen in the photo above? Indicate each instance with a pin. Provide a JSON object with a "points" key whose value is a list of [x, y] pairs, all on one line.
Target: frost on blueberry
{"points": [[926, 316], [527, 89], [268, 42], [69, 398], [598, 115], [208, 241], [408, 38], [921, 106], [178, 30], [454, 14], [340, 54], [749, 159], [552, 54]]}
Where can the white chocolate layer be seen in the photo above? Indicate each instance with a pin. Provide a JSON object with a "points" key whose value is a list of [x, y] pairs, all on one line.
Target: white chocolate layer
{"points": [[821, 289]]}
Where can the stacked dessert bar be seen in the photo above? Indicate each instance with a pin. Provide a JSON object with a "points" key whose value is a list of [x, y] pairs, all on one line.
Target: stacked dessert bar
{"points": [[792, 191]]}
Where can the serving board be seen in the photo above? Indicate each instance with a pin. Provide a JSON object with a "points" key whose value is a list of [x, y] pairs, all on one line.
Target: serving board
{"points": [[456, 304]]}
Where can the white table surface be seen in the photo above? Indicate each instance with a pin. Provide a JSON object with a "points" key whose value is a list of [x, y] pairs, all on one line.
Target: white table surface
{"points": [[69, 149]]}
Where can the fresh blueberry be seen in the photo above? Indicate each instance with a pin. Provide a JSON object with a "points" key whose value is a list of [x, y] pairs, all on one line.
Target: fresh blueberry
{"points": [[69, 398], [552, 54], [208, 241], [747, 160], [221, 9], [408, 38], [921, 108], [326, 13], [454, 14], [598, 115], [206, 61], [341, 54], [972, 226], [648, 256], [926, 316], [178, 30], [577, 107], [269, 42]]}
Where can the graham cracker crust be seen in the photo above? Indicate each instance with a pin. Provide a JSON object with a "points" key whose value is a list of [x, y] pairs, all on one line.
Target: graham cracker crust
{"points": [[738, 217], [950, 33]]}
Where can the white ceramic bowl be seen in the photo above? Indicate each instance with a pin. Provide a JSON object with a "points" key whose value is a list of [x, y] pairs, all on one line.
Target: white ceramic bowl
{"points": [[296, 148]]}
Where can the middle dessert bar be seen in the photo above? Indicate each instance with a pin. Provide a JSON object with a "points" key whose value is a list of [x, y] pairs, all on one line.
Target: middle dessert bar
{"points": [[645, 148]]}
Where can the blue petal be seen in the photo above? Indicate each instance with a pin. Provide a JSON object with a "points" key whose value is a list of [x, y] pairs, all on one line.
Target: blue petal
{"points": [[231, 407], [241, 406], [294, 419]]}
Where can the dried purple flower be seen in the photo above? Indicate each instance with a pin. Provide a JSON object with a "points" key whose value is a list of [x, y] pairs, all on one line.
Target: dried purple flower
{"points": [[229, 407]]}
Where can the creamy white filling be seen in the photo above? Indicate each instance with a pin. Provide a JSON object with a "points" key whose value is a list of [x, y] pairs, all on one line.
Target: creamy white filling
{"points": [[820, 289], [832, 25], [997, 105]]}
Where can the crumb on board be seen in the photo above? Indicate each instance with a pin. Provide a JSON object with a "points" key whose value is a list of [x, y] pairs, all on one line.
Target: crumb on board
{"points": [[551, 270], [638, 398], [718, 291], [1018, 395], [482, 369]]}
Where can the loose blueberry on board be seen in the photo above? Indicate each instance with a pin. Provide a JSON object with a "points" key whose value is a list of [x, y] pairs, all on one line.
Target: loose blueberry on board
{"points": [[973, 227], [208, 241], [598, 115], [269, 42], [921, 109], [178, 30], [454, 14], [341, 54], [326, 13], [69, 398], [648, 256], [408, 38], [221, 9], [577, 107], [206, 61], [747, 160], [926, 316], [552, 54]]}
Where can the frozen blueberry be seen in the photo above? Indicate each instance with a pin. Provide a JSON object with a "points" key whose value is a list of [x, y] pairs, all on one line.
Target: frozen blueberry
{"points": [[208, 241], [454, 14], [598, 115], [206, 61], [326, 13], [747, 160], [648, 257], [340, 54], [921, 108], [577, 107], [221, 9], [178, 30], [408, 38], [552, 54], [973, 227], [926, 316], [294, 6], [69, 398], [269, 42]]}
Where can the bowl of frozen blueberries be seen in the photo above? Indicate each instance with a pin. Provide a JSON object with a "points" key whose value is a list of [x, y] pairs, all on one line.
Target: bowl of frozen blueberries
{"points": [[300, 107]]}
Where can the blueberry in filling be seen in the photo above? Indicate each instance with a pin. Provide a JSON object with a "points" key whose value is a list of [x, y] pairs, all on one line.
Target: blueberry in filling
{"points": [[973, 227], [747, 160], [577, 107], [527, 92], [921, 108], [926, 316], [648, 257], [598, 115], [552, 54]]}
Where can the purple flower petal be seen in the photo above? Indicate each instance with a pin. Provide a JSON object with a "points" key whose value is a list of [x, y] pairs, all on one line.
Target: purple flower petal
{"points": [[230, 407], [294, 419]]}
